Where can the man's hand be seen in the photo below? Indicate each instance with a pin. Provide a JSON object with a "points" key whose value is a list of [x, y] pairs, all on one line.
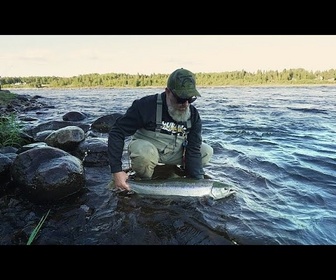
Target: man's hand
{"points": [[120, 181]]}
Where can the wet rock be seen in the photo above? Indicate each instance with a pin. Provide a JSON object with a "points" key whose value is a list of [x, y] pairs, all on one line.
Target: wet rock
{"points": [[5, 164], [93, 152], [74, 116], [47, 174], [66, 138], [54, 125], [31, 146], [41, 136], [105, 123]]}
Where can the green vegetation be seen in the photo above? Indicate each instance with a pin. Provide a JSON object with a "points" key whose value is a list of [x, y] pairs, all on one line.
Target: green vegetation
{"points": [[236, 78], [37, 228], [10, 130], [10, 126]]}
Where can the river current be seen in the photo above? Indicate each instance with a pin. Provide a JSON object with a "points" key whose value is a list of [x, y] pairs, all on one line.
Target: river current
{"points": [[276, 146]]}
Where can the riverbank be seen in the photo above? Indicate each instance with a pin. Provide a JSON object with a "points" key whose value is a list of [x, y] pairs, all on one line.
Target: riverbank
{"points": [[224, 86]]}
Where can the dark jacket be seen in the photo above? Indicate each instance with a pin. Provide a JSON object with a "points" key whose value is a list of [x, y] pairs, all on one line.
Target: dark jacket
{"points": [[142, 114]]}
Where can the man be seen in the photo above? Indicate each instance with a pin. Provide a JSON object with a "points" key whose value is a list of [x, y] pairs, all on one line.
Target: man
{"points": [[166, 129]]}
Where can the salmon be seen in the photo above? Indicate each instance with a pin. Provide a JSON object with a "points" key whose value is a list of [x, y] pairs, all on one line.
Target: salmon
{"points": [[182, 187]]}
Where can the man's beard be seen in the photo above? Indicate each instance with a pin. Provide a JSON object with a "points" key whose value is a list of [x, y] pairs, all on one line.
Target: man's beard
{"points": [[177, 115]]}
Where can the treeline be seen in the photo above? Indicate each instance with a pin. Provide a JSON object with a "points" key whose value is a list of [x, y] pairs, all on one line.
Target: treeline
{"points": [[235, 78]]}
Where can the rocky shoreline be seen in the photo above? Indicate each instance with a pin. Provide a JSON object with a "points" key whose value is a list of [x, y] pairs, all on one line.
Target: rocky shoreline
{"points": [[57, 149], [21, 104]]}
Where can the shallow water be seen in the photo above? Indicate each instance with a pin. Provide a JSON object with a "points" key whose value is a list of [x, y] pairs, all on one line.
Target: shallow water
{"points": [[274, 145]]}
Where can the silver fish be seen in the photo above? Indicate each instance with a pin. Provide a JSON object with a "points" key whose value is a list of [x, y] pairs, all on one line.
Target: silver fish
{"points": [[182, 187]]}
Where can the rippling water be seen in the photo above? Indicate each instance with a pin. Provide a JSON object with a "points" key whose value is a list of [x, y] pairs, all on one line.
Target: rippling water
{"points": [[275, 145]]}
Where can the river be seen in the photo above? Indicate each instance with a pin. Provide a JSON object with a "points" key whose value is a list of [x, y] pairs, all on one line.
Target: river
{"points": [[274, 145]]}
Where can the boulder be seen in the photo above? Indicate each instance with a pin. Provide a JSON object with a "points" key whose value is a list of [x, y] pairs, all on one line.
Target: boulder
{"points": [[47, 174]]}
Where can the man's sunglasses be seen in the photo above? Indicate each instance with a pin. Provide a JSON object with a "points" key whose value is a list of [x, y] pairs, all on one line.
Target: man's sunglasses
{"points": [[180, 100]]}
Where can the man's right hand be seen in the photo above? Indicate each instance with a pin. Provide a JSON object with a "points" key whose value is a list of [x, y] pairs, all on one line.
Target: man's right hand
{"points": [[120, 181]]}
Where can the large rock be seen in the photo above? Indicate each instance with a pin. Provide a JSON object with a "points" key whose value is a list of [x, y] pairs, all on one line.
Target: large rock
{"points": [[93, 152], [74, 116], [54, 125], [105, 123], [66, 138], [47, 174]]}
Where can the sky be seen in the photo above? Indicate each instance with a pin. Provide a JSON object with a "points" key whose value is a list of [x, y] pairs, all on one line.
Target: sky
{"points": [[74, 55]]}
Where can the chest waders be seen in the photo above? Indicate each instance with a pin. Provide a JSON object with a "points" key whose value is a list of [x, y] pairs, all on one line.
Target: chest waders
{"points": [[159, 125]]}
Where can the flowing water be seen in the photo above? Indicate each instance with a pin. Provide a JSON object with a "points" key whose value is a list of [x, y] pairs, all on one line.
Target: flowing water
{"points": [[276, 146]]}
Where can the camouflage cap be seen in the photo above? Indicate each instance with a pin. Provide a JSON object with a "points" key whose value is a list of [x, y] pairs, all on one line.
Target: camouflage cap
{"points": [[182, 83]]}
